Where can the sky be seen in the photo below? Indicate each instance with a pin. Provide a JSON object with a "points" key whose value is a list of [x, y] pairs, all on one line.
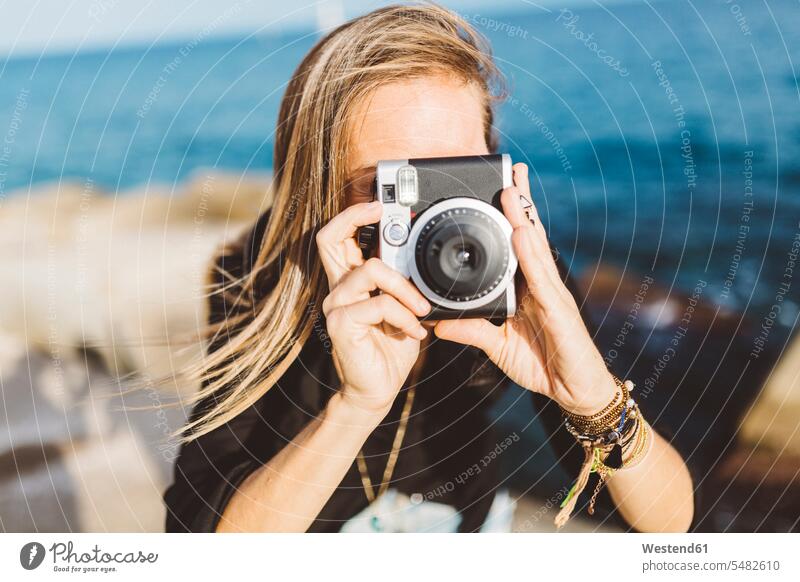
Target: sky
{"points": [[41, 26]]}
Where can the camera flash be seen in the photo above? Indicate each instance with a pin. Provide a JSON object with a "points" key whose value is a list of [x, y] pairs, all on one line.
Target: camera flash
{"points": [[407, 193]]}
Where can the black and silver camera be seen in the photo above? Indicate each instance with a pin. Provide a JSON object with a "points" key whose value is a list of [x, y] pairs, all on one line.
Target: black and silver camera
{"points": [[443, 227]]}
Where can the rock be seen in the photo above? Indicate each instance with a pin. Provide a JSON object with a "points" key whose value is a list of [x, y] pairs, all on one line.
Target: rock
{"points": [[124, 275], [773, 422], [97, 287]]}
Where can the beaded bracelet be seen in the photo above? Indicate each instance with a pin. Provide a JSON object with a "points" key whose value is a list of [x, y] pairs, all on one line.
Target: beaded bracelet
{"points": [[612, 441], [641, 446], [608, 415]]}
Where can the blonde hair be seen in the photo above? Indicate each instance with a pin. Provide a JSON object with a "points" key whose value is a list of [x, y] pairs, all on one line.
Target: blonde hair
{"points": [[265, 332]]}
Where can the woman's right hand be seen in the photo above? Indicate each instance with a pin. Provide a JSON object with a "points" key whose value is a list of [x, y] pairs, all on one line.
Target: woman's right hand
{"points": [[375, 338]]}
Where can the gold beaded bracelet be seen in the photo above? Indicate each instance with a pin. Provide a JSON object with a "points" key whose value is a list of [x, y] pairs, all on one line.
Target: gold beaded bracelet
{"points": [[608, 417], [615, 403], [642, 444], [615, 438]]}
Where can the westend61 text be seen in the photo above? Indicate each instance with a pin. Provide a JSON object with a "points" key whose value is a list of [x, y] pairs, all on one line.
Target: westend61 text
{"points": [[675, 549]]}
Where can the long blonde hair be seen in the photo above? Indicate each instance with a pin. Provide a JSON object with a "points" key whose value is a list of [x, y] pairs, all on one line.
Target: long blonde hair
{"points": [[265, 331]]}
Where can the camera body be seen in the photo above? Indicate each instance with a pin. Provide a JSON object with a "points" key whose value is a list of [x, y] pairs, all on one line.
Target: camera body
{"points": [[443, 227]]}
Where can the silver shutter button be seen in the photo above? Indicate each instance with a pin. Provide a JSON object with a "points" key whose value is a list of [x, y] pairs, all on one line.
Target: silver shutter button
{"points": [[395, 233]]}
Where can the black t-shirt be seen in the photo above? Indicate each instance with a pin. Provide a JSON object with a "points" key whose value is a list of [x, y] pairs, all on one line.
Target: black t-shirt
{"points": [[448, 432]]}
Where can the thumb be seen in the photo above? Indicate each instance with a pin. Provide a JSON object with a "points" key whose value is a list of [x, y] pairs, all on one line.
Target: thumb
{"points": [[472, 332]]}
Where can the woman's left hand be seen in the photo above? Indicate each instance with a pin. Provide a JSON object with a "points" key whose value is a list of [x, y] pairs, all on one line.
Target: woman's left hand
{"points": [[545, 347]]}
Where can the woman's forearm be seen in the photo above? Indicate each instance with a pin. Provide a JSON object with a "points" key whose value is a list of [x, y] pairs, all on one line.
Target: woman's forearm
{"points": [[287, 493], [656, 494]]}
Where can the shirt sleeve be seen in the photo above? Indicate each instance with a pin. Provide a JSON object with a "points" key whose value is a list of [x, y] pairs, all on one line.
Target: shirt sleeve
{"points": [[208, 472], [211, 468]]}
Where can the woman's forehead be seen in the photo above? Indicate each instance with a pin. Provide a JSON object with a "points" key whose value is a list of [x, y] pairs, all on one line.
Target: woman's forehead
{"points": [[424, 117]]}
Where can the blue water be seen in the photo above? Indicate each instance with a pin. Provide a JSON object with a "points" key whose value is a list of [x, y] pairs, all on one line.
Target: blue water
{"points": [[618, 179]]}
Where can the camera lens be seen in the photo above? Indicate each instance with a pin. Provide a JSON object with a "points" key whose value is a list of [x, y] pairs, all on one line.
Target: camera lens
{"points": [[461, 254]]}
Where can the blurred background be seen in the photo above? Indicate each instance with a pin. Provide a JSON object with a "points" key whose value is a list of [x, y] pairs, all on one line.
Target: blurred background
{"points": [[664, 143]]}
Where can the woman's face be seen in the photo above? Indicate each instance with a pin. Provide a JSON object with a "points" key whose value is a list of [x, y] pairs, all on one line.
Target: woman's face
{"points": [[420, 118]]}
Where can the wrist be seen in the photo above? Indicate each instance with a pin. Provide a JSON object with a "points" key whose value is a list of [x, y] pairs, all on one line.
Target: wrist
{"points": [[602, 393], [347, 409]]}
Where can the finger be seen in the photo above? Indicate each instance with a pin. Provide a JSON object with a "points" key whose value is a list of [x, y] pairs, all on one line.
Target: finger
{"points": [[473, 332], [531, 248], [375, 274], [527, 240], [521, 181], [522, 212], [517, 202], [529, 209], [522, 195], [534, 263], [341, 228], [381, 309], [535, 256], [513, 207], [345, 224]]}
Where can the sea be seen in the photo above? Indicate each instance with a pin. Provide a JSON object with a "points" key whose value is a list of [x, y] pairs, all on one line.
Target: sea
{"points": [[663, 137]]}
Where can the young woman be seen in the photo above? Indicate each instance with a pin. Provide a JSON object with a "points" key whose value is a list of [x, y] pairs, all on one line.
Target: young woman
{"points": [[322, 399]]}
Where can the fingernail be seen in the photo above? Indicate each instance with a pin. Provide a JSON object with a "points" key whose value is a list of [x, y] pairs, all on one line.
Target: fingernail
{"points": [[424, 306], [421, 333]]}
